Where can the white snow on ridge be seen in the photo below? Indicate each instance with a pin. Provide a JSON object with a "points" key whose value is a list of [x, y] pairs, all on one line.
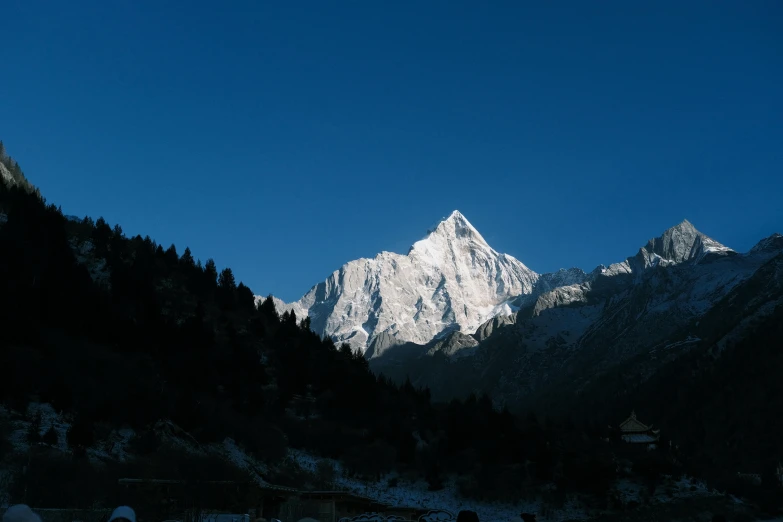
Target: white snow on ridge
{"points": [[450, 279], [453, 280]]}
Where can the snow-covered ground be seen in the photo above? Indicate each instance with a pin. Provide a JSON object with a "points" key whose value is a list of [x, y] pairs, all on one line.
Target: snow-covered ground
{"points": [[99, 271], [416, 494], [669, 490], [404, 493], [49, 418], [112, 448]]}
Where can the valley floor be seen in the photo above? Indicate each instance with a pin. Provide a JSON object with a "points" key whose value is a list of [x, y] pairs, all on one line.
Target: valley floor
{"points": [[676, 497]]}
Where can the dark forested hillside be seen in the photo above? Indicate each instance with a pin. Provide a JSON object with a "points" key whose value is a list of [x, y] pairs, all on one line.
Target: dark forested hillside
{"points": [[719, 403]]}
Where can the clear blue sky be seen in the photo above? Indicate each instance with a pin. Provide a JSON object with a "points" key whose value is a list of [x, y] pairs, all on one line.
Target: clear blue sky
{"points": [[286, 138]]}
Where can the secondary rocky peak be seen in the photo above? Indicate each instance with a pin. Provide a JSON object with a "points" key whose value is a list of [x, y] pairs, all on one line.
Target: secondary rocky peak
{"points": [[676, 243], [773, 243], [680, 243]]}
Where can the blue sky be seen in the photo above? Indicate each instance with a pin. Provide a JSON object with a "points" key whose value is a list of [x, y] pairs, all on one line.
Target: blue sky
{"points": [[286, 138]]}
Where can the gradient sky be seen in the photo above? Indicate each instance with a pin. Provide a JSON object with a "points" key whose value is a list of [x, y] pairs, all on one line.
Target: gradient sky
{"points": [[286, 138]]}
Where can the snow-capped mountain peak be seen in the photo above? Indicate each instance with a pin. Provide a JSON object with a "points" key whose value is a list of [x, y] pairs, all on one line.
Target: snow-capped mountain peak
{"points": [[453, 281], [450, 280], [453, 229], [451, 240], [458, 226]]}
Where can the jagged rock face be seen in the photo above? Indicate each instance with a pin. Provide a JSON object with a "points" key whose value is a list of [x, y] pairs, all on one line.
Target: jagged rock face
{"points": [[455, 345], [768, 245], [562, 296], [14, 177], [450, 281], [6, 176], [486, 329], [563, 277], [679, 244]]}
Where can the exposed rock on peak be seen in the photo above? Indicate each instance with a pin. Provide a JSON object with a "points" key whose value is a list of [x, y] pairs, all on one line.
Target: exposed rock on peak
{"points": [[453, 281], [771, 244], [679, 244]]}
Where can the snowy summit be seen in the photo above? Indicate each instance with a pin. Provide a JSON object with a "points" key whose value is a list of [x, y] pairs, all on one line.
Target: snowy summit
{"points": [[450, 280]]}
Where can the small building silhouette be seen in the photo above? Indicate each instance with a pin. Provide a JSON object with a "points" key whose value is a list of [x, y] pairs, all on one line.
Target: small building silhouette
{"points": [[634, 431]]}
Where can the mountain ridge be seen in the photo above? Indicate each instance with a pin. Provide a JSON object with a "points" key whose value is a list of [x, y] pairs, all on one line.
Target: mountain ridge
{"points": [[453, 280], [565, 338]]}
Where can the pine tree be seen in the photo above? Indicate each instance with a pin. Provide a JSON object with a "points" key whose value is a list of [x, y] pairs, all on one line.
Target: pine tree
{"points": [[304, 324], [267, 309], [226, 290], [226, 280], [345, 351], [245, 298], [210, 271], [187, 258], [172, 258], [101, 233]]}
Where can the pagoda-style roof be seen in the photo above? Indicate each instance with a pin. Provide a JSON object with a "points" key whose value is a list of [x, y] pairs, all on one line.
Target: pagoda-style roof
{"points": [[633, 425], [641, 438], [342, 496]]}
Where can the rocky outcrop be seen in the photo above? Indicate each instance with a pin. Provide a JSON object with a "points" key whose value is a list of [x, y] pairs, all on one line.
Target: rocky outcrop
{"points": [[678, 244]]}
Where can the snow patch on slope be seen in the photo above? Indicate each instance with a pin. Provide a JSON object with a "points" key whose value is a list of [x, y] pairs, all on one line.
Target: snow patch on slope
{"points": [[416, 494], [6, 175], [84, 252]]}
